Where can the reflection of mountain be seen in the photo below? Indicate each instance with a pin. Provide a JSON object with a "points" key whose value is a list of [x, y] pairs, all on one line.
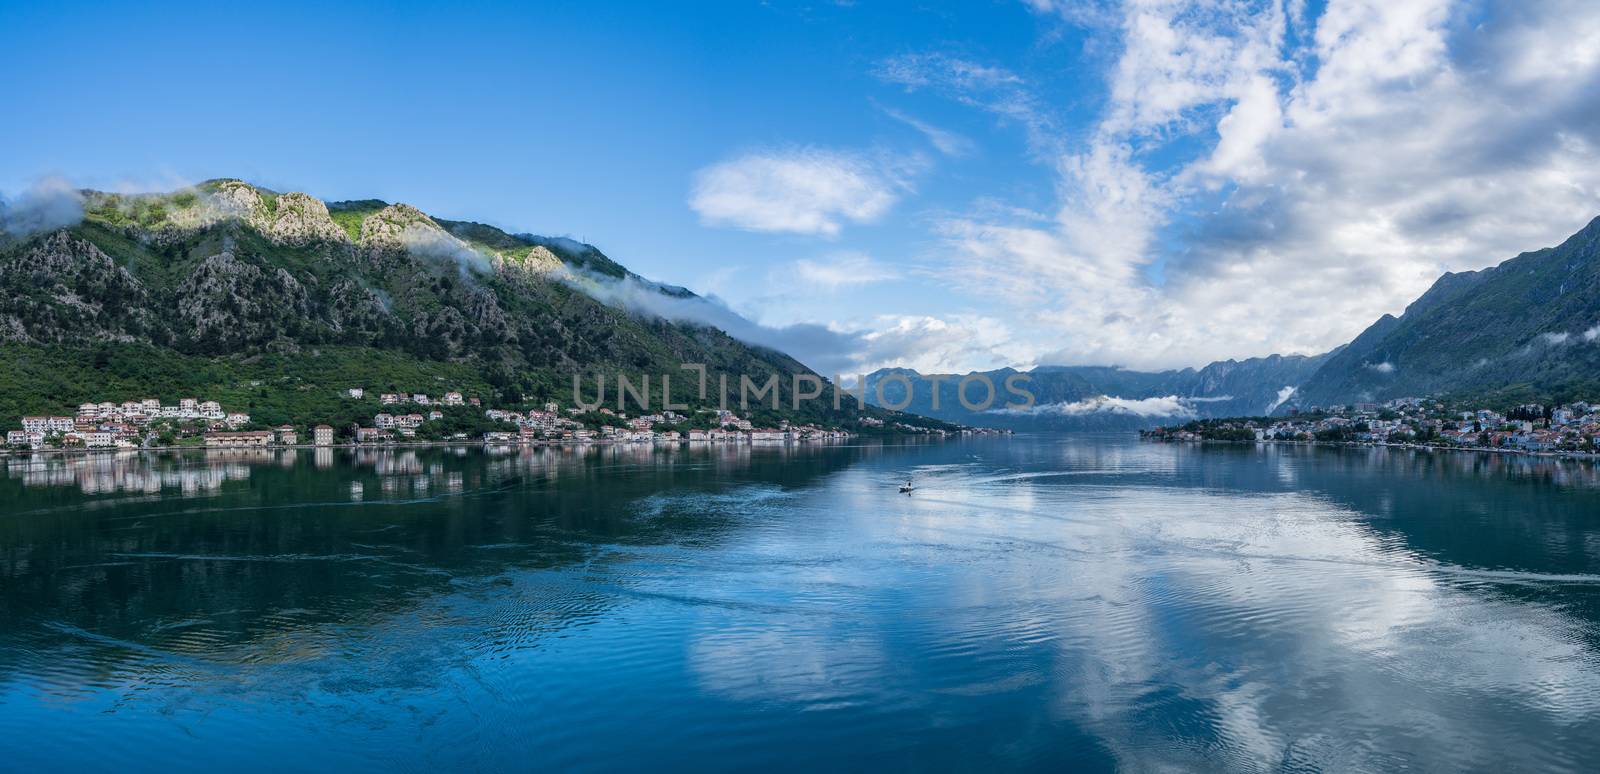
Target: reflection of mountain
{"points": [[1048, 601], [1460, 509], [1196, 609], [262, 557]]}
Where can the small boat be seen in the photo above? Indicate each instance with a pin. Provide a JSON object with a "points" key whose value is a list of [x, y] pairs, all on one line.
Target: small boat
{"points": [[906, 487]]}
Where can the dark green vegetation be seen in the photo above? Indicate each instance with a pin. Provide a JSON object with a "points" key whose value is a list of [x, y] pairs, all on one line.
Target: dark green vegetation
{"points": [[1224, 388], [1526, 330], [273, 388], [275, 303]]}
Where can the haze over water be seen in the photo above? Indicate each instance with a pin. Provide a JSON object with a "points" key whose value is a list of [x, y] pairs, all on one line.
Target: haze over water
{"points": [[1039, 602]]}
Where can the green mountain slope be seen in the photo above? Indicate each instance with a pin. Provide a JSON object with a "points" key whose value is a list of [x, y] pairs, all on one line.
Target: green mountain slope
{"points": [[1527, 329], [231, 289]]}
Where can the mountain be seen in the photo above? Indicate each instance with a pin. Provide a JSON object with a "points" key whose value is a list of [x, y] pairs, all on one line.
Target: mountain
{"points": [[278, 301], [1102, 397], [1527, 329]]}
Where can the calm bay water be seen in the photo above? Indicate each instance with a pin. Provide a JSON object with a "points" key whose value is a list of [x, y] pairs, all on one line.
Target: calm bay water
{"points": [[1039, 602]]}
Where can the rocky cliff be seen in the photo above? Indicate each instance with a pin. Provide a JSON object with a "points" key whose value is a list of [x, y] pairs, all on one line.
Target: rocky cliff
{"points": [[228, 269]]}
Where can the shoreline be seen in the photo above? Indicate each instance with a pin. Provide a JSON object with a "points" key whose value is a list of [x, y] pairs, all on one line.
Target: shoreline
{"points": [[1571, 455], [7, 453]]}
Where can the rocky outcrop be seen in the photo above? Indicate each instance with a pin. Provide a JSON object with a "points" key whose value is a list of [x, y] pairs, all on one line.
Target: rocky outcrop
{"points": [[402, 230], [227, 304], [236, 198], [298, 220], [360, 314], [539, 261], [395, 226], [226, 268], [65, 288], [291, 219]]}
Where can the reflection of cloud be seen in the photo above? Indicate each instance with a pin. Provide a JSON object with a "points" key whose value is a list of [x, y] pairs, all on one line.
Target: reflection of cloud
{"points": [[1360, 629], [1251, 617], [794, 661]]}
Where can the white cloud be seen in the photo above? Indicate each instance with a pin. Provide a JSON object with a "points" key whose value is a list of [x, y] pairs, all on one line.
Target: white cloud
{"points": [[429, 241], [954, 343], [1283, 397], [1385, 367], [841, 270], [947, 142], [1322, 178], [993, 89], [1169, 406], [49, 203], [802, 191], [920, 71], [930, 344]]}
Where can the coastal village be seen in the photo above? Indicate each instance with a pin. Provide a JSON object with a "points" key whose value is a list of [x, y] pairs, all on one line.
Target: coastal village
{"points": [[150, 423], [1531, 428]]}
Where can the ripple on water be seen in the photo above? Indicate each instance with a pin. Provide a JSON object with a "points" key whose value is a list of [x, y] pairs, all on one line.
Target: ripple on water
{"points": [[1044, 601]]}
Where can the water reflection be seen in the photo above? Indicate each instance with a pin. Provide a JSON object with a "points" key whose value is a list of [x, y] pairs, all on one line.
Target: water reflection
{"points": [[1037, 603]]}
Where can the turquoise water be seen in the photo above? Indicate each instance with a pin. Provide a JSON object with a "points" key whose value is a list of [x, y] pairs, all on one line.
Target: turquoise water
{"points": [[1049, 602]]}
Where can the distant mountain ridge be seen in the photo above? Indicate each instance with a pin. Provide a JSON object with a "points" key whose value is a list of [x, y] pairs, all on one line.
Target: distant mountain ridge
{"points": [[1104, 397], [1525, 330]]}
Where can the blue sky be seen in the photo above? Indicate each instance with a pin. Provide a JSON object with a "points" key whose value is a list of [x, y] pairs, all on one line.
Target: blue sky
{"points": [[1146, 183]]}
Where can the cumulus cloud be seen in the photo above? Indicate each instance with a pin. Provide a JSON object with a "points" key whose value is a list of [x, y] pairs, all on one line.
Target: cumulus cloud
{"points": [[1555, 339], [802, 191], [1385, 367], [49, 203], [1267, 177]]}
